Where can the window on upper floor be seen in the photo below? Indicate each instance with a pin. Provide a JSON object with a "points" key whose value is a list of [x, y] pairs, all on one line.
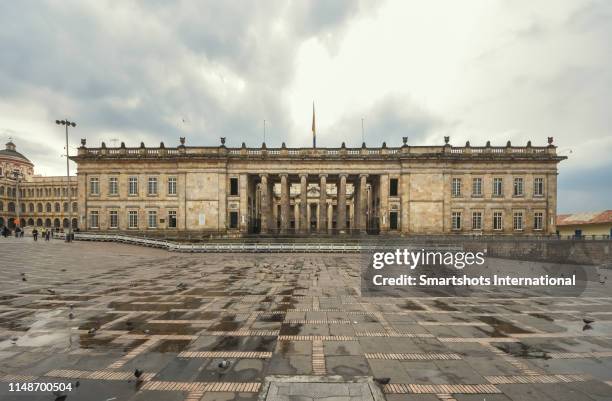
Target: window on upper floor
{"points": [[233, 186], [456, 187], [498, 187], [94, 186], [133, 186], [476, 187], [171, 185], [393, 187], [152, 186], [518, 186], [113, 186], [538, 186]]}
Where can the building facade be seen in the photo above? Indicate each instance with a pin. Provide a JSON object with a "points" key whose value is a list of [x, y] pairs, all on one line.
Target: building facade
{"points": [[585, 224], [277, 191], [30, 200]]}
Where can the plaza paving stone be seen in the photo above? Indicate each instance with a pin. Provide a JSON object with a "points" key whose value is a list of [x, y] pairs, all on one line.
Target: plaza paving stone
{"points": [[95, 312]]}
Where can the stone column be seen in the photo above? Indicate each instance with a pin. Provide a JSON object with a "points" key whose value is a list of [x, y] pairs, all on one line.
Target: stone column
{"points": [[363, 202], [384, 202], [265, 204], [243, 191], [341, 223], [284, 203], [323, 204], [303, 202]]}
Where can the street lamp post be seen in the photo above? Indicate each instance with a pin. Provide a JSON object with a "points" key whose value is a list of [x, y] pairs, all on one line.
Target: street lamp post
{"points": [[18, 175], [68, 236]]}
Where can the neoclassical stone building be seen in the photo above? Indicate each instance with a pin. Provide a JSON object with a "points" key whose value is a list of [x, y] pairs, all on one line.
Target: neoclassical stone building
{"points": [[34, 200], [404, 190]]}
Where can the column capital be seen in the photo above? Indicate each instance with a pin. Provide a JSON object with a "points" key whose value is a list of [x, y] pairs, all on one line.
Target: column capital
{"points": [[343, 175], [364, 175], [263, 175], [283, 175], [304, 175], [323, 175]]}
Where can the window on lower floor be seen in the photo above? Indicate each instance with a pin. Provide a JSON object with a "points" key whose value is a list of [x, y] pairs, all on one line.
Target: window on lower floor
{"points": [[498, 221], [172, 219], [517, 221], [393, 221], [132, 219], [152, 219], [476, 220], [93, 219], [538, 220], [233, 220], [113, 219], [456, 221]]}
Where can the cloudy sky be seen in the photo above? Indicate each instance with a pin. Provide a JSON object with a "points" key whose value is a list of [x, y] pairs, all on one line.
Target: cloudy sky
{"points": [[155, 70]]}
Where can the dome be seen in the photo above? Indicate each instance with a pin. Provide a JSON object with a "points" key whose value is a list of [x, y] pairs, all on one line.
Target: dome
{"points": [[12, 153]]}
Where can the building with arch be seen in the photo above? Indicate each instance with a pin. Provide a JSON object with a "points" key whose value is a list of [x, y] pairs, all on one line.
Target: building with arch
{"points": [[36, 200]]}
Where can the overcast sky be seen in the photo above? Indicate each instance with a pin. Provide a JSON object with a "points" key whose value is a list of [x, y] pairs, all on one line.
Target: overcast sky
{"points": [[154, 71]]}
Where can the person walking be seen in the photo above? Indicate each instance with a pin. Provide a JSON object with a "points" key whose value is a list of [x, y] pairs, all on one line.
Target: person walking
{"points": [[35, 234]]}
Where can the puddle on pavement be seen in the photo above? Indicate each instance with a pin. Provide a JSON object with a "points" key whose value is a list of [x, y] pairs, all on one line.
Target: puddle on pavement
{"points": [[542, 316], [227, 323], [96, 321], [521, 350], [273, 317], [288, 329], [444, 306], [500, 326], [410, 305], [171, 346], [167, 328]]}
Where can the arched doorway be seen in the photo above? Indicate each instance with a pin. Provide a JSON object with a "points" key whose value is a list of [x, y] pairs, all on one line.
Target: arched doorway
{"points": [[30, 221], [11, 223], [39, 222], [1, 222], [56, 223], [74, 223], [47, 222], [65, 223]]}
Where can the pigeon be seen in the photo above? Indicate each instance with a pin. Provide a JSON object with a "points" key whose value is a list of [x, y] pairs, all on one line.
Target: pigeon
{"points": [[24, 279], [138, 374], [50, 291], [588, 320], [382, 380], [71, 315], [92, 330], [224, 364], [587, 327]]}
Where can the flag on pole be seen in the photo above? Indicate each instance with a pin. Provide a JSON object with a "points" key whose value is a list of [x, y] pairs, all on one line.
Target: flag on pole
{"points": [[314, 128]]}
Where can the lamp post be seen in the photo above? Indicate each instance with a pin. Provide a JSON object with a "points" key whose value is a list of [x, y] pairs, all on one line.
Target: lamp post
{"points": [[68, 236], [18, 175]]}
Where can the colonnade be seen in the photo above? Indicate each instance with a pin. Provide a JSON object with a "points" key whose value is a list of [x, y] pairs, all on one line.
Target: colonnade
{"points": [[346, 203]]}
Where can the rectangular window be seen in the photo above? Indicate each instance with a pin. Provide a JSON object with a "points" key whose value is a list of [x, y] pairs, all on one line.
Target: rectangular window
{"points": [[93, 219], [393, 220], [132, 219], [171, 185], [393, 187], [94, 186], [538, 220], [152, 219], [172, 219], [518, 186], [476, 186], [113, 219], [133, 186], [152, 187], [498, 221], [233, 186], [456, 221], [456, 188], [517, 221], [476, 220], [498, 187], [233, 220], [538, 186], [113, 186]]}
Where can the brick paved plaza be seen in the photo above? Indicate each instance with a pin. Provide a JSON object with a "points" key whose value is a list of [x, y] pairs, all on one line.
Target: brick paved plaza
{"points": [[215, 326]]}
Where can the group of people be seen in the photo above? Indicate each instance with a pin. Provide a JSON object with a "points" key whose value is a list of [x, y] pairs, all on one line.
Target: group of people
{"points": [[47, 233]]}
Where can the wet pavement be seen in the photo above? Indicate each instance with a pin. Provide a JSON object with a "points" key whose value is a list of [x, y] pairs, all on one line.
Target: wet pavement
{"points": [[215, 326]]}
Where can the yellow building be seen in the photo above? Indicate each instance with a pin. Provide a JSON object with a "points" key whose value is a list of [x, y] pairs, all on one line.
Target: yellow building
{"points": [[585, 224]]}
